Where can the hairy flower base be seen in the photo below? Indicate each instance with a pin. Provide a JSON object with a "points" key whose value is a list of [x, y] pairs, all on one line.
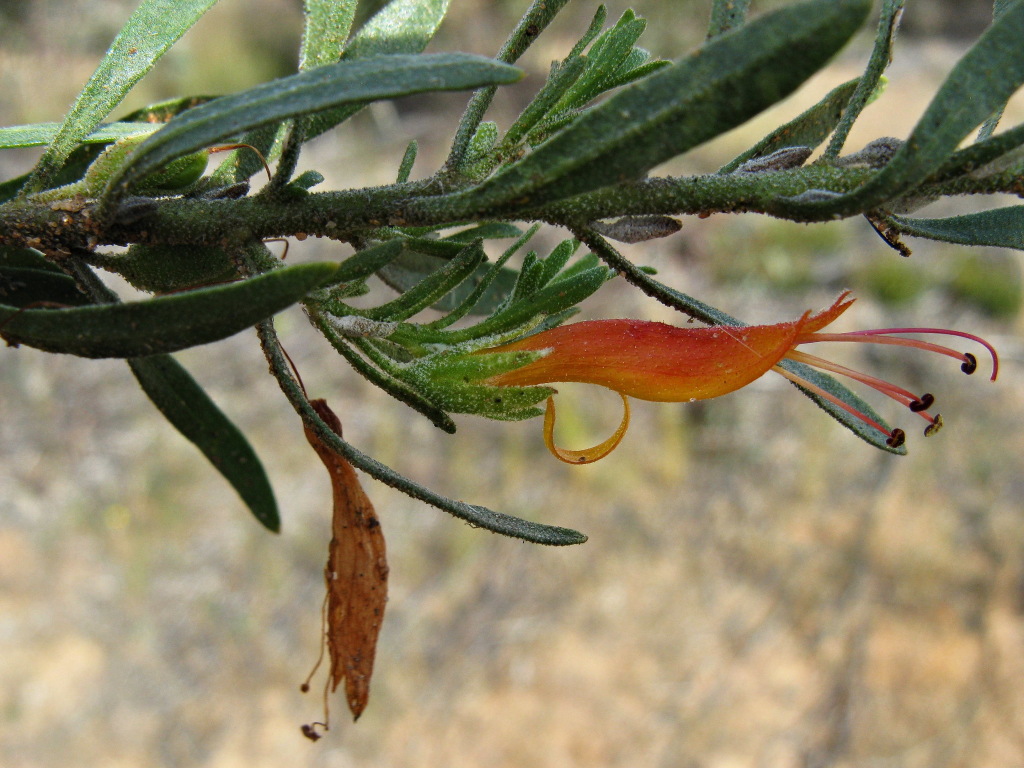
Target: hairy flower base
{"points": [[659, 362]]}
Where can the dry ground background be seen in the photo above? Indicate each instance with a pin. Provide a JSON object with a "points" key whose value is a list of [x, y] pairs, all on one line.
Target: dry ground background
{"points": [[759, 588]]}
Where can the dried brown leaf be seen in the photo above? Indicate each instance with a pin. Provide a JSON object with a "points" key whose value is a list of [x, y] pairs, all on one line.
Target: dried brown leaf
{"points": [[356, 574]]}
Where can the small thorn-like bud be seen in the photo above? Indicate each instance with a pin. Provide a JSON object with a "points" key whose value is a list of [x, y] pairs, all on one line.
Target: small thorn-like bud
{"points": [[923, 403], [934, 427], [897, 438], [970, 363]]}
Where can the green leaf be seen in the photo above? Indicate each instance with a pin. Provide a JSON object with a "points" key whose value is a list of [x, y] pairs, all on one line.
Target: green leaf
{"points": [[411, 268], [433, 287], [999, 7], [492, 230], [364, 263], [1002, 228], [39, 134], [400, 27], [604, 59], [481, 294], [383, 77], [987, 75], [327, 26], [530, 26], [726, 82], [25, 287], [808, 129], [28, 258], [162, 268], [726, 15], [164, 324], [980, 154], [559, 81], [550, 300], [154, 27], [187, 406], [881, 55]]}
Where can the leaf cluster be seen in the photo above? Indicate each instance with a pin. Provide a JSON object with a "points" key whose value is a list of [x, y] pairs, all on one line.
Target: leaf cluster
{"points": [[578, 156]]}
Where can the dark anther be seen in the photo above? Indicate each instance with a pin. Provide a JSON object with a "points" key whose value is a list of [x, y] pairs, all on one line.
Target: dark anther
{"points": [[309, 731], [896, 439], [970, 363], [923, 403], [934, 427]]}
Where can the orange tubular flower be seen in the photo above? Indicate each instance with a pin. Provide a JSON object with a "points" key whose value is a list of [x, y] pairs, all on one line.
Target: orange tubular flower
{"points": [[654, 361]]}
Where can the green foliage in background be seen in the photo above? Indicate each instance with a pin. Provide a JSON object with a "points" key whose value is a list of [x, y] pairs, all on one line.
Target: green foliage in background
{"points": [[578, 157]]}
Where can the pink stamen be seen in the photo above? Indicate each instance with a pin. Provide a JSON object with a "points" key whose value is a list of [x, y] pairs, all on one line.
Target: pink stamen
{"points": [[916, 404], [896, 437], [881, 336]]}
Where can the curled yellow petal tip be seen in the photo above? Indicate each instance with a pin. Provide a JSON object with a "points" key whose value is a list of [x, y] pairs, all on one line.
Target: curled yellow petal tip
{"points": [[590, 455]]}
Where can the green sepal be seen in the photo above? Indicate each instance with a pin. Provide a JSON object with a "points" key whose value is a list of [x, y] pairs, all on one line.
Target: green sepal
{"points": [[429, 290], [452, 379]]}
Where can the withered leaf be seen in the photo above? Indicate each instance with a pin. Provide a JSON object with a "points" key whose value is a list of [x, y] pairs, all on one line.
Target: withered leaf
{"points": [[356, 574]]}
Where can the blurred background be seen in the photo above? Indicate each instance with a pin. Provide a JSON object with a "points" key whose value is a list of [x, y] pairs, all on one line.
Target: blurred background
{"points": [[760, 588]]}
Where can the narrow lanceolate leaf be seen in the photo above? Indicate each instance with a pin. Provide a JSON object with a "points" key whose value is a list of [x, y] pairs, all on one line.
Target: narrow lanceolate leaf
{"points": [[401, 26], [726, 15], [154, 27], [164, 324], [327, 26], [412, 268], [191, 411], [807, 129], [881, 55], [384, 77], [39, 134], [28, 287], [723, 84], [988, 74], [1002, 228]]}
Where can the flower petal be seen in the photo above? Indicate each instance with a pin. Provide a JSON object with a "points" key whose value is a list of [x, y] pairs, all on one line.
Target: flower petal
{"points": [[589, 455], [655, 361]]}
